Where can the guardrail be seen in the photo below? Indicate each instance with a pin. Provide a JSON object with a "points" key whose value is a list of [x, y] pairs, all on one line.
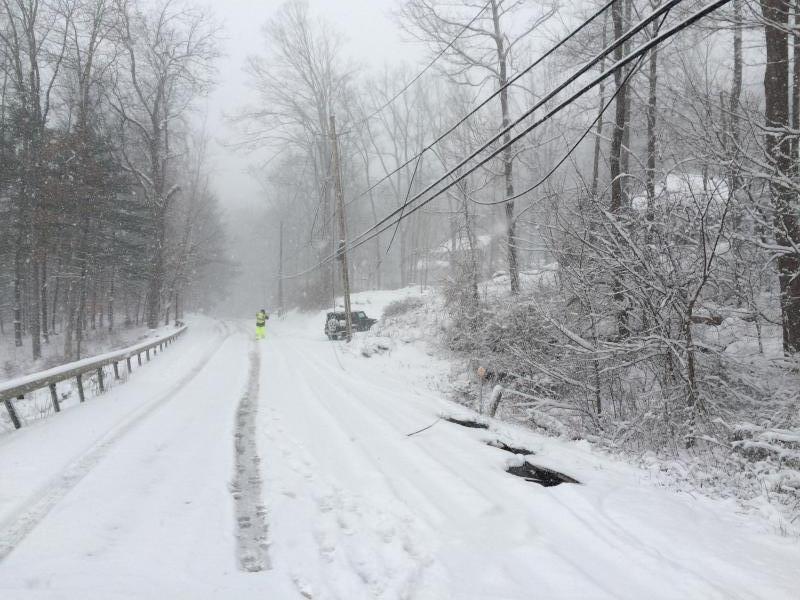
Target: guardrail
{"points": [[18, 387]]}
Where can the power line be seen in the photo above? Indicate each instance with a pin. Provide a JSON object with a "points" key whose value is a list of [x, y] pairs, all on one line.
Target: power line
{"points": [[408, 193], [574, 146], [486, 100], [371, 232], [621, 63], [561, 87], [605, 52]]}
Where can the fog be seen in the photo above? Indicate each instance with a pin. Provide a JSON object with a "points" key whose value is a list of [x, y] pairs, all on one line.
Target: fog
{"points": [[579, 216], [372, 38]]}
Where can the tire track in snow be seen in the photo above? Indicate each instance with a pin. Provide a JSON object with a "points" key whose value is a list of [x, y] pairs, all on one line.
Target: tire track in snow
{"points": [[336, 384], [251, 522], [19, 525], [365, 548]]}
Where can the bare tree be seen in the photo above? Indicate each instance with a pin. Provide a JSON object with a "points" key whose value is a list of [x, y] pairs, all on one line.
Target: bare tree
{"points": [[477, 49], [167, 61], [300, 80]]}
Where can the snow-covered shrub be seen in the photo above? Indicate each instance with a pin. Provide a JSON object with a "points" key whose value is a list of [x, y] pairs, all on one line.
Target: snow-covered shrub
{"points": [[652, 333], [402, 306]]}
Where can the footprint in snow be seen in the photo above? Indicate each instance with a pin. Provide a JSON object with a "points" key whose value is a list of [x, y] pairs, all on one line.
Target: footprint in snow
{"points": [[344, 525], [325, 503], [327, 546], [386, 532], [303, 587]]}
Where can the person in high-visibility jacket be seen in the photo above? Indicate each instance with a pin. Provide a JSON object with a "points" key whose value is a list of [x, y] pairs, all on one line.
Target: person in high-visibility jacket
{"points": [[261, 324]]}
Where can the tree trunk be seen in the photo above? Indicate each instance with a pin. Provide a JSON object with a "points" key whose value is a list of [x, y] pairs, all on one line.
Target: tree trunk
{"points": [[80, 319], [508, 155], [126, 303], [778, 149], [71, 314], [625, 151], [43, 299], [156, 281], [615, 160], [650, 174], [599, 129], [471, 243], [795, 83], [19, 274], [378, 253], [736, 86], [94, 301], [111, 293], [56, 290], [35, 310]]}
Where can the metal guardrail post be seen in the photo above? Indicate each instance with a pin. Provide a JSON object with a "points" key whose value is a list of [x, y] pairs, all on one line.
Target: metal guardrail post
{"points": [[79, 379], [12, 413], [54, 397]]}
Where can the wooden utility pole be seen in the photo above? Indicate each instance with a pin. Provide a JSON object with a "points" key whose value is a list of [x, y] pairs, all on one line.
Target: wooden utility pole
{"points": [[280, 273], [341, 252]]}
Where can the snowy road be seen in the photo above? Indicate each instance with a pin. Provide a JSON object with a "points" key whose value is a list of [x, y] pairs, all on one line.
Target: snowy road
{"points": [[148, 512], [158, 489]]}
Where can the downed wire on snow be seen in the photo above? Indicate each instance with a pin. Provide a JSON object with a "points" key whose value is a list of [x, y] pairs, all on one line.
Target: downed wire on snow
{"points": [[424, 428]]}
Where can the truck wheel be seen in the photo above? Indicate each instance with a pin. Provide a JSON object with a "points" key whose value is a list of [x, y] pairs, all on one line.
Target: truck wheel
{"points": [[331, 328]]}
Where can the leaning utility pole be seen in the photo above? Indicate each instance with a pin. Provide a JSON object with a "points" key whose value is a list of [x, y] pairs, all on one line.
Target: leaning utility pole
{"points": [[280, 274], [341, 253]]}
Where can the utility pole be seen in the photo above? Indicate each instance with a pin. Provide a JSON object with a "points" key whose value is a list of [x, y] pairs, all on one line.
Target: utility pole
{"points": [[341, 252], [280, 273]]}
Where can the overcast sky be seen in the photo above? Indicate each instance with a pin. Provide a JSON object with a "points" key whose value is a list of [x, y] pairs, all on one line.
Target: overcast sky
{"points": [[372, 36]]}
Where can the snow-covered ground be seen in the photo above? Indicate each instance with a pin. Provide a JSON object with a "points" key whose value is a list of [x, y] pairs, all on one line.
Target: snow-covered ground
{"points": [[16, 361], [136, 494]]}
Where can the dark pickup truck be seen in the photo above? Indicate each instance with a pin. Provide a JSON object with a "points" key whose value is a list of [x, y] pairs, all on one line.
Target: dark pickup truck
{"points": [[335, 323]]}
